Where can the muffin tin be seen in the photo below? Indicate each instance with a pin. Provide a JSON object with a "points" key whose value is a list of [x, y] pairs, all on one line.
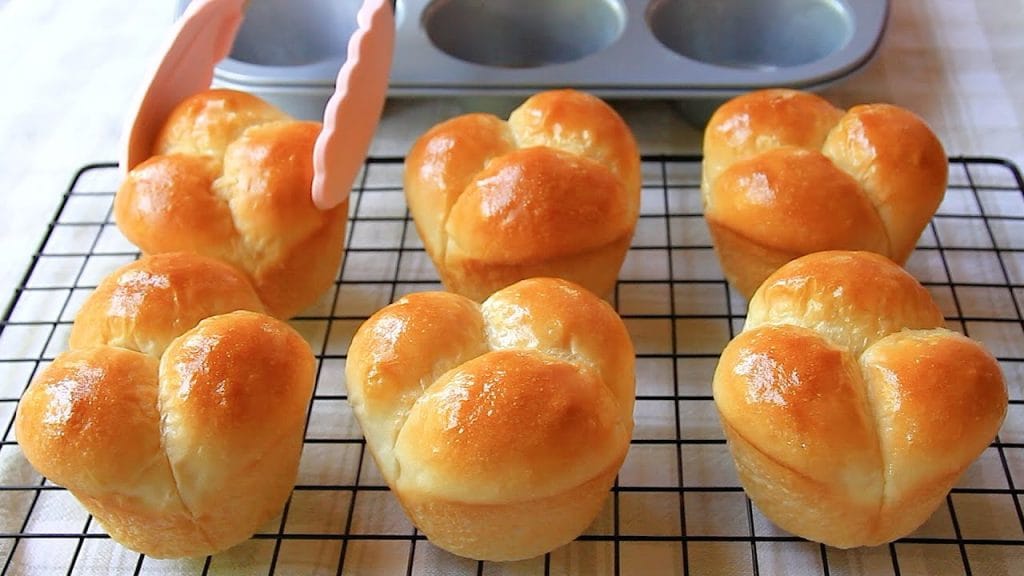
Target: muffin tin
{"points": [[695, 51]]}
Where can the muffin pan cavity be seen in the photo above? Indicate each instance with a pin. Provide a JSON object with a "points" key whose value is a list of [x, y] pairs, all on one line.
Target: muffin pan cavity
{"points": [[763, 35], [525, 34], [274, 36], [698, 52]]}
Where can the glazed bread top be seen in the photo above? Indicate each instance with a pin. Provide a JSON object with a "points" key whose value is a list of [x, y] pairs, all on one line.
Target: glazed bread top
{"points": [[562, 175], [108, 419], [794, 174], [520, 398], [146, 304]]}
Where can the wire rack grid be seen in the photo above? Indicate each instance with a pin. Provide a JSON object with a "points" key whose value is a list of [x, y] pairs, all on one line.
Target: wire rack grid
{"points": [[676, 508]]}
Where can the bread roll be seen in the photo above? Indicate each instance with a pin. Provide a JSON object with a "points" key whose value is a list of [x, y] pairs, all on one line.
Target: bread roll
{"points": [[176, 417], [849, 409], [786, 174], [230, 177], [500, 427], [554, 191]]}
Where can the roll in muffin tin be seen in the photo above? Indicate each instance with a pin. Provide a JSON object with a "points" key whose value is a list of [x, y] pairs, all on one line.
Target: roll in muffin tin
{"points": [[696, 51]]}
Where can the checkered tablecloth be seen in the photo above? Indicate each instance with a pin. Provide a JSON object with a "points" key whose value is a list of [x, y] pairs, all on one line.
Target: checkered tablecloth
{"points": [[958, 65], [677, 507]]}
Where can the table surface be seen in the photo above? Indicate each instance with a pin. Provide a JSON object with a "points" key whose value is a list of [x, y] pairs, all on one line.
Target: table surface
{"points": [[74, 69]]}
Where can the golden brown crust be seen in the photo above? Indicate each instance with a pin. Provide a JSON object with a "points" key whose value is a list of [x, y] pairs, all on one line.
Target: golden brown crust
{"points": [[849, 409], [144, 305], [230, 178], [760, 121], [205, 124], [851, 298], [816, 206], [245, 423], [398, 353], [176, 418], [787, 174], [554, 191], [501, 411], [790, 200], [561, 319], [491, 223], [577, 122], [900, 164], [85, 402], [496, 416], [166, 201], [443, 162]]}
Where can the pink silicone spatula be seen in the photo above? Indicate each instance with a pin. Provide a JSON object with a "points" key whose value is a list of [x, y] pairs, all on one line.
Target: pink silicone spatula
{"points": [[204, 35], [354, 110]]}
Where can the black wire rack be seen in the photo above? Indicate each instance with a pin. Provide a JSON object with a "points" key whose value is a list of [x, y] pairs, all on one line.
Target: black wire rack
{"points": [[676, 508]]}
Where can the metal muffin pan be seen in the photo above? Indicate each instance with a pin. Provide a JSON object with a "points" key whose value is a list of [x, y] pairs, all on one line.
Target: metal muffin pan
{"points": [[694, 51]]}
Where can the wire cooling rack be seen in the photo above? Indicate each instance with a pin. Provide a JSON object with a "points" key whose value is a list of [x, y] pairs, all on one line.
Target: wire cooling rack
{"points": [[676, 508]]}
